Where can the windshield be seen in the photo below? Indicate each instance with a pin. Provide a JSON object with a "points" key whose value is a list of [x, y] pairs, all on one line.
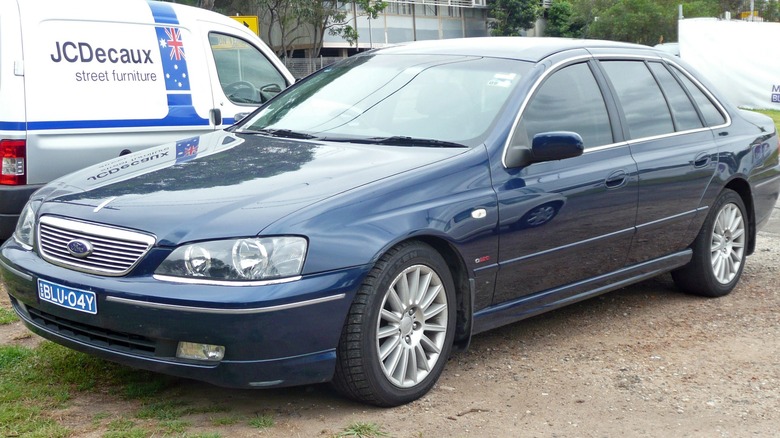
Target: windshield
{"points": [[388, 98]]}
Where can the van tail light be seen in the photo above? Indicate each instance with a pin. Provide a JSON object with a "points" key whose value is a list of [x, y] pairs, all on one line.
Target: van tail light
{"points": [[14, 154]]}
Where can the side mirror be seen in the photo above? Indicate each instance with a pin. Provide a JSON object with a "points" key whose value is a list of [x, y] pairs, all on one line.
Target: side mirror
{"points": [[553, 146], [546, 146], [271, 89], [239, 117]]}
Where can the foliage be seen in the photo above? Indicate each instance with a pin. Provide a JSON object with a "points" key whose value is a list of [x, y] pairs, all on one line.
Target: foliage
{"points": [[636, 21], [562, 21], [769, 10], [510, 17], [700, 8]]}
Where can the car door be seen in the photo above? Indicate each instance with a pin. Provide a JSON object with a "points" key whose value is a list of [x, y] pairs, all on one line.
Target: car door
{"points": [[675, 153], [562, 222], [243, 75]]}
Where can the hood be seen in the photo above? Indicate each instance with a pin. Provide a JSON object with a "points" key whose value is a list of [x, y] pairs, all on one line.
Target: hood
{"points": [[223, 184]]}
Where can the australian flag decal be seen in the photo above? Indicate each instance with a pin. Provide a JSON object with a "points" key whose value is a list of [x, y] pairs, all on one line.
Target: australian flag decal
{"points": [[173, 59], [187, 149]]}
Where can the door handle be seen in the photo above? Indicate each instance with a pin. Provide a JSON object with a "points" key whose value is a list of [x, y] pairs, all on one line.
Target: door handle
{"points": [[616, 179], [701, 160]]}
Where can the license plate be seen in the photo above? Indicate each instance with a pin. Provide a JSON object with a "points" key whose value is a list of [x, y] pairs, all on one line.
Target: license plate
{"points": [[67, 297]]}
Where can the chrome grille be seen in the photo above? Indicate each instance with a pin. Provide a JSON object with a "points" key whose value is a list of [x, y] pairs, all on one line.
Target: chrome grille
{"points": [[114, 251]]}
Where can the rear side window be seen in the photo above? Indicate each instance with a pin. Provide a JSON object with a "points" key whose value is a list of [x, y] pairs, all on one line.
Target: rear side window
{"points": [[683, 111], [245, 74], [569, 100], [644, 106], [712, 116]]}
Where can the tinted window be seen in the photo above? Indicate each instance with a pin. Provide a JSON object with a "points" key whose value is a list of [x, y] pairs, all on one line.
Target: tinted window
{"points": [[683, 111], [569, 100], [245, 74], [712, 116], [643, 103]]}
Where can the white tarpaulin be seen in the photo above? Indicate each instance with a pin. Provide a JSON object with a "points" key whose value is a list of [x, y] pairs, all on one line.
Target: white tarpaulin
{"points": [[742, 59]]}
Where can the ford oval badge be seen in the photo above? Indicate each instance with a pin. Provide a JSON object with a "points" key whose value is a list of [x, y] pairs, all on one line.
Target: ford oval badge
{"points": [[80, 248]]}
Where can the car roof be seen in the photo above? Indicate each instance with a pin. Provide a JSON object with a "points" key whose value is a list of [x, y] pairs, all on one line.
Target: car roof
{"points": [[521, 48]]}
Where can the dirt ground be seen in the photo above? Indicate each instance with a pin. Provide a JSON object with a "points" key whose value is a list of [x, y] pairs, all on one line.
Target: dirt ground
{"points": [[642, 361]]}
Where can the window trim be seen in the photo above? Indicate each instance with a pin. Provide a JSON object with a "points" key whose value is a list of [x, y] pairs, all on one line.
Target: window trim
{"points": [[541, 79], [713, 99], [610, 99], [685, 90]]}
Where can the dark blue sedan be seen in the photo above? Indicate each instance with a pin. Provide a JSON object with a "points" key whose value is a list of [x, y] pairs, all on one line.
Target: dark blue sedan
{"points": [[379, 213]]}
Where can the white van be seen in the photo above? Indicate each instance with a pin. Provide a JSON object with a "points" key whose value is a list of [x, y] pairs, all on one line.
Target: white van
{"points": [[82, 81]]}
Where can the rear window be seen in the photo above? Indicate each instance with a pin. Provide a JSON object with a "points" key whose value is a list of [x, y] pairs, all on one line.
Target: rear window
{"points": [[712, 116]]}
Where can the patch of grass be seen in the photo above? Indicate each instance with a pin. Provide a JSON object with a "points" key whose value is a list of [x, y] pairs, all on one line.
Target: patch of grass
{"points": [[226, 420], [262, 422], [174, 426], [362, 430], [165, 410], [34, 382], [121, 425], [204, 435], [7, 316], [141, 385], [11, 355], [132, 433]]}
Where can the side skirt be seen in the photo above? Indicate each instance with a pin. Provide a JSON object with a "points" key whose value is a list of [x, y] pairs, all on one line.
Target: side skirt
{"points": [[531, 305]]}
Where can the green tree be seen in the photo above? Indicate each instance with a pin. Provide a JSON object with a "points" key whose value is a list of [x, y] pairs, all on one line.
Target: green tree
{"points": [[770, 10], [333, 17], [701, 8], [562, 21], [510, 17], [287, 24], [636, 21]]}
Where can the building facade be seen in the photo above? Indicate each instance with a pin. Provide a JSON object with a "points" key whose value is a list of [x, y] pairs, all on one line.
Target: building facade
{"points": [[412, 20]]}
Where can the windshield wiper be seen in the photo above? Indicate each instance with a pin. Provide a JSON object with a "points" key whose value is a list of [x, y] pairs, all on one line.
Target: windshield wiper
{"points": [[398, 140], [284, 133]]}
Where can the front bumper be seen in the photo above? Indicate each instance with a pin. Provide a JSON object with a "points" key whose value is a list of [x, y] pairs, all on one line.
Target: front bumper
{"points": [[274, 335]]}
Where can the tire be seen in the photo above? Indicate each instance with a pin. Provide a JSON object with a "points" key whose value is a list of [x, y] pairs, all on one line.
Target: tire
{"points": [[719, 250], [394, 345]]}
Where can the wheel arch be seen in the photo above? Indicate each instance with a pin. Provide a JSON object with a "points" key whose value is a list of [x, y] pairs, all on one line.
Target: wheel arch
{"points": [[742, 188], [464, 289]]}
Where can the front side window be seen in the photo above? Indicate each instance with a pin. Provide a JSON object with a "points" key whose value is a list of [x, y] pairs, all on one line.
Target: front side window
{"points": [[372, 97], [569, 100], [644, 106], [245, 74]]}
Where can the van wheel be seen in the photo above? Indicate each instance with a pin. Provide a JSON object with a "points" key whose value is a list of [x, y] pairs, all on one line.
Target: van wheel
{"points": [[399, 330], [718, 251]]}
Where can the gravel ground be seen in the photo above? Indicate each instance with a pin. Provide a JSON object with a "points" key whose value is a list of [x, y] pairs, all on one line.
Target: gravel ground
{"points": [[642, 361]]}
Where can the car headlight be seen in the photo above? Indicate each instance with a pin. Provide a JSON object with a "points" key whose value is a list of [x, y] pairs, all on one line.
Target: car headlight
{"points": [[250, 259], [24, 234]]}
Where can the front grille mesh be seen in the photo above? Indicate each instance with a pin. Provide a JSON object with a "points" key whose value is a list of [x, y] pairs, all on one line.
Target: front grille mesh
{"points": [[114, 251]]}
